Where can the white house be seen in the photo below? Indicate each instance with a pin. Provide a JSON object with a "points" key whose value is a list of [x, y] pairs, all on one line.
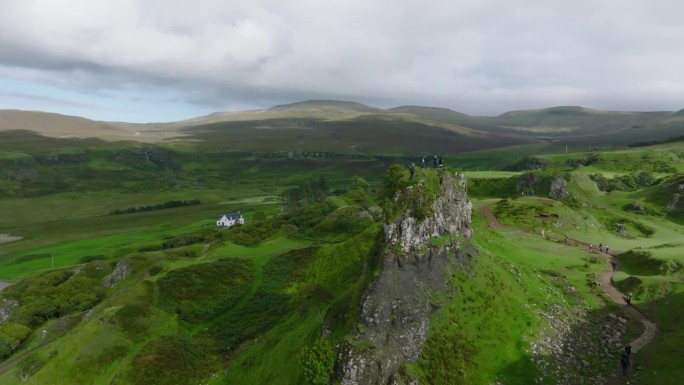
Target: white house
{"points": [[228, 220]]}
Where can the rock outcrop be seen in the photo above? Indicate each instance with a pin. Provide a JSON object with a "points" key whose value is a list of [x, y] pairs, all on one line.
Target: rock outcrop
{"points": [[122, 270], [394, 319], [7, 308], [557, 188]]}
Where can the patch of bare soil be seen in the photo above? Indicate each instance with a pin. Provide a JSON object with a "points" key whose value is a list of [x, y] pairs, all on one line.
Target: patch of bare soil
{"points": [[8, 238]]}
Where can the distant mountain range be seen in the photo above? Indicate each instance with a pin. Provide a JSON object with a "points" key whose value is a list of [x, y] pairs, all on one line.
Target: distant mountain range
{"points": [[340, 126]]}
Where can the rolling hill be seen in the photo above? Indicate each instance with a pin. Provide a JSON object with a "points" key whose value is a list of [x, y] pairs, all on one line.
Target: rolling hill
{"points": [[348, 127]]}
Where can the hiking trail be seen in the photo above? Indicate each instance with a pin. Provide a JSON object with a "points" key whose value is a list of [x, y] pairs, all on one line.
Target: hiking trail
{"points": [[606, 281]]}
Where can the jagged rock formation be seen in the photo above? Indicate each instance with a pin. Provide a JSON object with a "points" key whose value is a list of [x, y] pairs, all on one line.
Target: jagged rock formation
{"points": [[394, 318], [557, 188], [526, 184], [122, 270]]}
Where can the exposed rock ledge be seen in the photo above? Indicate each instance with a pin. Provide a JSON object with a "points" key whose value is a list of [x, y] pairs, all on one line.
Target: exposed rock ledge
{"points": [[394, 318]]}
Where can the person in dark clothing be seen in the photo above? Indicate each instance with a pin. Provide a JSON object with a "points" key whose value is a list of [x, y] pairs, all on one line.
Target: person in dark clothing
{"points": [[628, 350], [624, 362], [412, 169], [441, 162], [434, 161], [613, 263]]}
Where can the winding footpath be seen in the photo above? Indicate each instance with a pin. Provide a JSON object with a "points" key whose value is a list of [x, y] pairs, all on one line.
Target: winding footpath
{"points": [[635, 314], [606, 281]]}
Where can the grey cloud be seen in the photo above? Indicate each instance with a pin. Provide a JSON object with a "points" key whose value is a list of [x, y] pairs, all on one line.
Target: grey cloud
{"points": [[481, 57]]}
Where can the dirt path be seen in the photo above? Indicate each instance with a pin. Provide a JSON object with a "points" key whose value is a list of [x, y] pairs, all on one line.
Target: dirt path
{"points": [[606, 280], [486, 212]]}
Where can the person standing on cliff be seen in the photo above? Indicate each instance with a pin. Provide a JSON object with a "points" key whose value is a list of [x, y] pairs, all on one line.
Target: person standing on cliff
{"points": [[412, 170]]}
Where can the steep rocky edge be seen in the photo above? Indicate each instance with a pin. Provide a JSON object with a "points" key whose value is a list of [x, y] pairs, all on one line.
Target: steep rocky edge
{"points": [[394, 319]]}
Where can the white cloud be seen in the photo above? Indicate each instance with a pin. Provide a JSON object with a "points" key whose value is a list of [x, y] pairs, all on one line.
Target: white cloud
{"points": [[480, 57]]}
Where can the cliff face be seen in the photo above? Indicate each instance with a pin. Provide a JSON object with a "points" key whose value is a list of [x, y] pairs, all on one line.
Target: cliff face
{"points": [[394, 318]]}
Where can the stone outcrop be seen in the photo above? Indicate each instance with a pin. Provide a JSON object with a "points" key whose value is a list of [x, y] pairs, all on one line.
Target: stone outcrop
{"points": [[394, 319], [527, 183], [7, 308], [557, 188], [122, 270]]}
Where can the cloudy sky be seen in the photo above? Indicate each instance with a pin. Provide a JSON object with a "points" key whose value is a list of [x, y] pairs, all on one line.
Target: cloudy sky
{"points": [[164, 60]]}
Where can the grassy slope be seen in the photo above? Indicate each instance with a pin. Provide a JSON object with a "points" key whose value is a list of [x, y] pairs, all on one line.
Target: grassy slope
{"points": [[491, 319], [495, 325]]}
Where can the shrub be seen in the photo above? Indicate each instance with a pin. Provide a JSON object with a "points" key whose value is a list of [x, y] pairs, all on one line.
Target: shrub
{"points": [[132, 317], [201, 292], [11, 336], [318, 362], [30, 366], [173, 360]]}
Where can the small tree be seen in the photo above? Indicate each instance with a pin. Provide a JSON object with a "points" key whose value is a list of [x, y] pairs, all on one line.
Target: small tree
{"points": [[318, 362]]}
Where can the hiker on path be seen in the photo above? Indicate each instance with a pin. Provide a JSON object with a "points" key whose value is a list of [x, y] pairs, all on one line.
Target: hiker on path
{"points": [[412, 170], [434, 161], [606, 249], [441, 163], [613, 263], [628, 350], [422, 163], [591, 248], [628, 299], [600, 247], [624, 362]]}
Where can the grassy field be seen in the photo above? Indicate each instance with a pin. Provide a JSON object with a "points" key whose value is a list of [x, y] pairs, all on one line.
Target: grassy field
{"points": [[246, 301]]}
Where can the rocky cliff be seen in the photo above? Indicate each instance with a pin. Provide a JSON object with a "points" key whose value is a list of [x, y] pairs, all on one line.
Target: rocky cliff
{"points": [[394, 318]]}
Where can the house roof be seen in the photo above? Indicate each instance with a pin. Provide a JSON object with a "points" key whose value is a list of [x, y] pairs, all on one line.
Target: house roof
{"points": [[236, 215]]}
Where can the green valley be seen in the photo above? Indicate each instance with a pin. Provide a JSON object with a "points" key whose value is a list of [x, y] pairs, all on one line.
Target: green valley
{"points": [[494, 269]]}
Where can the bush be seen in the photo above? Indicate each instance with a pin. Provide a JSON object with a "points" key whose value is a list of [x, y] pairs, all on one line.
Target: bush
{"points": [[631, 182], [173, 360], [201, 292], [318, 362], [132, 318], [11, 336], [30, 366]]}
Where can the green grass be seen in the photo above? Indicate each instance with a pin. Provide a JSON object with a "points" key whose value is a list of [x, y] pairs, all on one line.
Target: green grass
{"points": [[251, 309], [490, 174], [481, 333]]}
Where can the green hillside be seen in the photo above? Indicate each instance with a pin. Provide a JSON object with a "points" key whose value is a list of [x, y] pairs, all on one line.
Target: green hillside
{"points": [[353, 128], [116, 282]]}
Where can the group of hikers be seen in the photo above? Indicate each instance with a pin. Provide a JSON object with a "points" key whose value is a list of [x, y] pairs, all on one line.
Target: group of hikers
{"points": [[437, 161], [601, 248], [625, 355]]}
